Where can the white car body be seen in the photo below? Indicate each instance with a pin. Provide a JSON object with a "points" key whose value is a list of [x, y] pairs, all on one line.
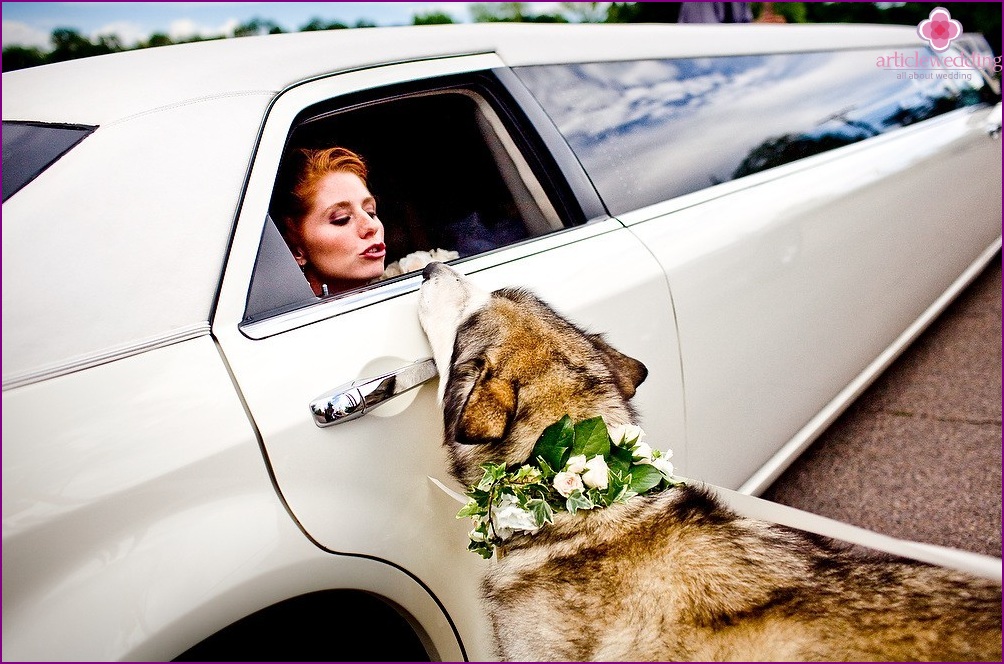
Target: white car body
{"points": [[162, 475]]}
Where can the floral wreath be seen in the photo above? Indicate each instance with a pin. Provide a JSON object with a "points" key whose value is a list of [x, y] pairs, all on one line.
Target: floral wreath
{"points": [[580, 466]]}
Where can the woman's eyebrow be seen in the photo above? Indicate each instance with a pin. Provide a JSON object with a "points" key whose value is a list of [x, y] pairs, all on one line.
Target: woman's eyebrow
{"points": [[335, 206]]}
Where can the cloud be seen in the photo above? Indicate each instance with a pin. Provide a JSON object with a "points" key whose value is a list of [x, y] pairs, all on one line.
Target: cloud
{"points": [[16, 33], [186, 28], [129, 34]]}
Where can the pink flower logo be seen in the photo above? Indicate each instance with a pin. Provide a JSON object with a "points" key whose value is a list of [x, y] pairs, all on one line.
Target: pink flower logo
{"points": [[940, 29]]}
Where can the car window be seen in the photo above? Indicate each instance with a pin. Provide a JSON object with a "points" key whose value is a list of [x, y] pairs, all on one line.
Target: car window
{"points": [[451, 171], [29, 148], [647, 131]]}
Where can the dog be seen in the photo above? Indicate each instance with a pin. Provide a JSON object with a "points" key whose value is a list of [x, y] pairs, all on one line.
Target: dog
{"points": [[673, 575]]}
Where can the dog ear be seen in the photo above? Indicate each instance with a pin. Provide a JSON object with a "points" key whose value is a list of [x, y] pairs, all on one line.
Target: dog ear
{"points": [[628, 372], [488, 411]]}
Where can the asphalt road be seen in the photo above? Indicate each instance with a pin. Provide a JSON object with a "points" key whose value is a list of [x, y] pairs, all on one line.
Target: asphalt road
{"points": [[918, 455]]}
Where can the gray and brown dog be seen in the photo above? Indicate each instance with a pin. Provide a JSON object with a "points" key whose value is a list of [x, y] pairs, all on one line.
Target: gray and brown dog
{"points": [[674, 575]]}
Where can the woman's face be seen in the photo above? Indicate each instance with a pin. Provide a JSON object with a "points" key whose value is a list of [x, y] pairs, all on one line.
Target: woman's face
{"points": [[340, 239]]}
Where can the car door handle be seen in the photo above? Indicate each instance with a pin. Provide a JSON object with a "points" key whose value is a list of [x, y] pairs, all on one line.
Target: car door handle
{"points": [[359, 397]]}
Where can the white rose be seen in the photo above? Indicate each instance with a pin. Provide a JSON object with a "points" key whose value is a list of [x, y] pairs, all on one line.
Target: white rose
{"points": [[596, 473], [663, 466], [566, 483], [641, 452], [508, 516], [576, 464], [626, 433]]}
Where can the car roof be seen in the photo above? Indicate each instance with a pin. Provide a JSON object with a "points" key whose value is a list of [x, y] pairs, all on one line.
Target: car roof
{"points": [[109, 88], [131, 222]]}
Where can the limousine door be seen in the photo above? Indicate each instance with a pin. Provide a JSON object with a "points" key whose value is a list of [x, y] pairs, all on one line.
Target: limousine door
{"points": [[363, 486]]}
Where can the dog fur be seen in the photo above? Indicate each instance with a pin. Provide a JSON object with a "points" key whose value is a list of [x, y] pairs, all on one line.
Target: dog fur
{"points": [[675, 575]]}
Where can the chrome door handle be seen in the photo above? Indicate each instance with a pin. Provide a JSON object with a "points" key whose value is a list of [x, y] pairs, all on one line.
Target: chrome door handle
{"points": [[359, 397]]}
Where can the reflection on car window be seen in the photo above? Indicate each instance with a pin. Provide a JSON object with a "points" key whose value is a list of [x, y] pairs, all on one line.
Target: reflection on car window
{"points": [[647, 131]]}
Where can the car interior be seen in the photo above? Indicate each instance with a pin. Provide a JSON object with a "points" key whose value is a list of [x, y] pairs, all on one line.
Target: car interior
{"points": [[447, 174]]}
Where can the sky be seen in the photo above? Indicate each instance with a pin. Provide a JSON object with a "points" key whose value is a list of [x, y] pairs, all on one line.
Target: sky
{"points": [[31, 23]]}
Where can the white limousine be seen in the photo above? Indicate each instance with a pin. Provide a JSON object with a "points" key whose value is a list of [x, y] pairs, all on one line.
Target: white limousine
{"points": [[200, 458]]}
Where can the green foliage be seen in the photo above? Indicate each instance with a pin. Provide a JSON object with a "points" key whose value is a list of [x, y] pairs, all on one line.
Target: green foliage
{"points": [[317, 24], [257, 26], [21, 57], [574, 466], [431, 18], [497, 12]]}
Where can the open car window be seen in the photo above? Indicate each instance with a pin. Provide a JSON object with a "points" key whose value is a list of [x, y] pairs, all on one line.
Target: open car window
{"points": [[451, 170]]}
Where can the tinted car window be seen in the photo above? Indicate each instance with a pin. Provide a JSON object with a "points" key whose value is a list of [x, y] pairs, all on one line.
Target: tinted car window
{"points": [[647, 131], [30, 148]]}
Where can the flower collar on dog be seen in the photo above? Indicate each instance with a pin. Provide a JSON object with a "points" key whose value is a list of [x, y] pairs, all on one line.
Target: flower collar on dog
{"points": [[574, 466]]}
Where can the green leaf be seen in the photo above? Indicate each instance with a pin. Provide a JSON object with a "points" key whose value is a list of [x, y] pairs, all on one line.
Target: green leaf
{"points": [[620, 460], [554, 444], [578, 501], [493, 472], [644, 477], [541, 511], [526, 475], [545, 469], [485, 549], [591, 438], [479, 496], [472, 508], [617, 487]]}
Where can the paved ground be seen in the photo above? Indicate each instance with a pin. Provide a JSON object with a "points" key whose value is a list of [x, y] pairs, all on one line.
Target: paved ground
{"points": [[918, 455]]}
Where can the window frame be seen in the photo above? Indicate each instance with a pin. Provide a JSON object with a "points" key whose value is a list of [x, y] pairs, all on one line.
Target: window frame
{"points": [[556, 172]]}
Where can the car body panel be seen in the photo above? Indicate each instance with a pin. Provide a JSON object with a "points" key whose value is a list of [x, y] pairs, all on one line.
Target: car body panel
{"points": [[162, 474], [584, 271], [790, 257], [118, 507], [153, 200]]}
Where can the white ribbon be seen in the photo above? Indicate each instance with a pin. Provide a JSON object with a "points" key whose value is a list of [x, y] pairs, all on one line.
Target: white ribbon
{"points": [[460, 498]]}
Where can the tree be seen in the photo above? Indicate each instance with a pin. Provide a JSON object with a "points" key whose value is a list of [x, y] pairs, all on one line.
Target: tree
{"points": [[498, 12], [257, 26], [585, 12], [20, 57], [317, 24], [68, 44], [157, 39], [431, 18], [643, 12]]}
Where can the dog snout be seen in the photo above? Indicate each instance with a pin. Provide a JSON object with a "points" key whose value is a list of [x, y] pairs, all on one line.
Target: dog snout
{"points": [[431, 269]]}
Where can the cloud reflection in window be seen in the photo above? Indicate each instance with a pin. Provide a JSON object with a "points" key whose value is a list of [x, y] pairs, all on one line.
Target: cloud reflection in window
{"points": [[650, 130]]}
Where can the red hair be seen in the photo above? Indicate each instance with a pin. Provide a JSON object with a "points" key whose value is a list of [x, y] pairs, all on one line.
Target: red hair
{"points": [[307, 167]]}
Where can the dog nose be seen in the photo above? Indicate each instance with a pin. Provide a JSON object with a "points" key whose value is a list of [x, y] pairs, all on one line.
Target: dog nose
{"points": [[429, 269]]}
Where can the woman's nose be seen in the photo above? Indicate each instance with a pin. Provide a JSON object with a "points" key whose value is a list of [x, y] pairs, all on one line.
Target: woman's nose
{"points": [[368, 225]]}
